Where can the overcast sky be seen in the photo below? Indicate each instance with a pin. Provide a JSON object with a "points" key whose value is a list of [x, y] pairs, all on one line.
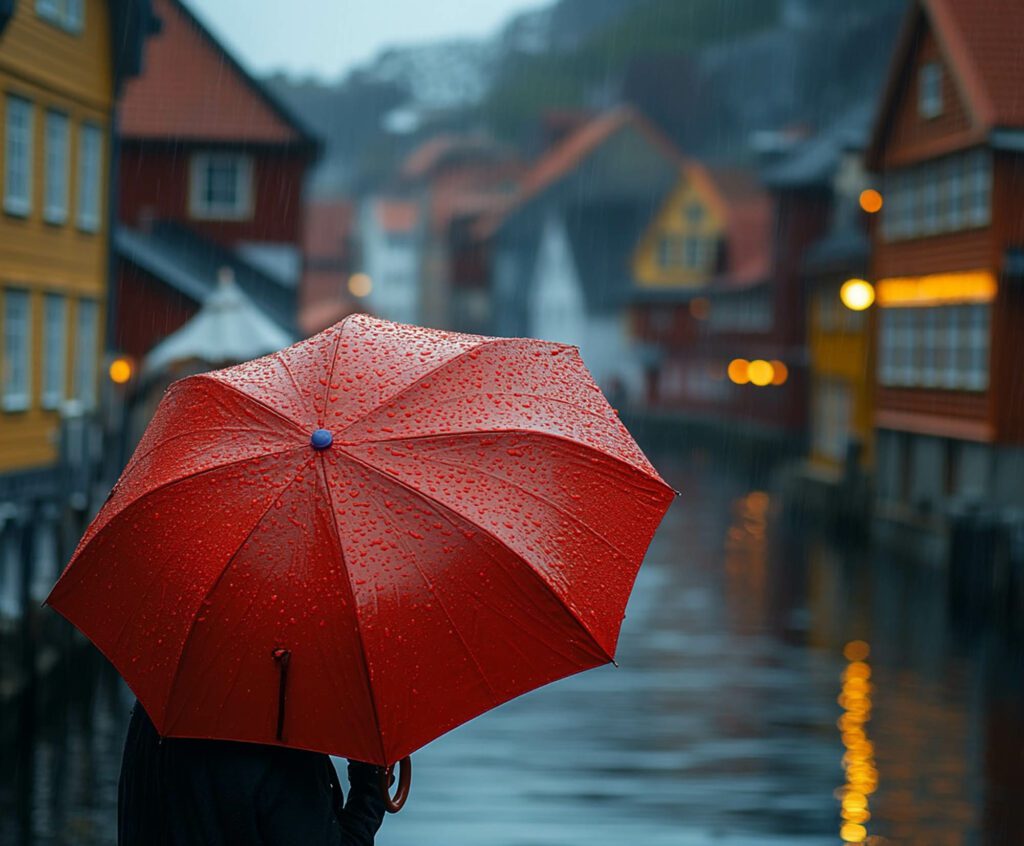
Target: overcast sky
{"points": [[327, 37]]}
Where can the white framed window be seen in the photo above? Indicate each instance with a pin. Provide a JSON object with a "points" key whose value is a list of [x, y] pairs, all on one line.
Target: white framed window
{"points": [[18, 156], [55, 349], [929, 199], [977, 344], [67, 14], [954, 215], [220, 186], [86, 352], [90, 172], [929, 90], [17, 350], [979, 187], [55, 172]]}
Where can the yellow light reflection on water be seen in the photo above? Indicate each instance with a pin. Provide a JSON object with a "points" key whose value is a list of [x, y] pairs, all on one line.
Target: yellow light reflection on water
{"points": [[859, 758]]}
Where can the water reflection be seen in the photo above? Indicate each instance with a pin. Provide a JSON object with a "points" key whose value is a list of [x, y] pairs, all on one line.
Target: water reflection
{"points": [[721, 726]]}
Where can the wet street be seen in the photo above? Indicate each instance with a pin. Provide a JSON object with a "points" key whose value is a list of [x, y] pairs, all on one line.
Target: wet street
{"points": [[752, 659]]}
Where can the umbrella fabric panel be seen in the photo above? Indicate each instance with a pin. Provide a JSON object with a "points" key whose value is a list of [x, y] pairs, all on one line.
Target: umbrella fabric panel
{"points": [[224, 426], [453, 623], [581, 520], [505, 385], [285, 588], [346, 371], [138, 585]]}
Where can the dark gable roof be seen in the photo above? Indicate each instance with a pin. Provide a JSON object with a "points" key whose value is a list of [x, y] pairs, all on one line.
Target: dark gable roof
{"points": [[189, 263], [981, 43]]}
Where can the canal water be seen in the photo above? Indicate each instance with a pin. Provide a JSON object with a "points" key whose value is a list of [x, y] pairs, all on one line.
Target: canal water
{"points": [[769, 678]]}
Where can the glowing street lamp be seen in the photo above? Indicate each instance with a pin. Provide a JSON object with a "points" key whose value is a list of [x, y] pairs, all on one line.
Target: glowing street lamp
{"points": [[761, 373], [120, 370], [857, 294], [360, 285], [871, 200]]}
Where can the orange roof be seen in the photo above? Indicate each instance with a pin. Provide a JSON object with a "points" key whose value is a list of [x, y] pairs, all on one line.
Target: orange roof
{"points": [[574, 149], [981, 40], [192, 89]]}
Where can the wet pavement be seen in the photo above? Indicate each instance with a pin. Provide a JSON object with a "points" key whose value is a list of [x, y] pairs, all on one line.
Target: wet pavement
{"points": [[765, 673]]}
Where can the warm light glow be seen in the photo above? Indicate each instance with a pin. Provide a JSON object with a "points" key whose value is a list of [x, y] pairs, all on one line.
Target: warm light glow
{"points": [[120, 371], [856, 650], [871, 200], [859, 759], [760, 372], [971, 286], [781, 372], [739, 371], [853, 833], [857, 294], [359, 285], [700, 308]]}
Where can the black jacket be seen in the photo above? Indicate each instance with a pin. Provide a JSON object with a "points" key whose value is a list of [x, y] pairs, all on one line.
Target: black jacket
{"points": [[219, 793]]}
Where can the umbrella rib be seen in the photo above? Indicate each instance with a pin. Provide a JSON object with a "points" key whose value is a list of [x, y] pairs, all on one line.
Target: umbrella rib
{"points": [[452, 435], [322, 413], [255, 401], [447, 613], [417, 381], [355, 614], [86, 539], [568, 515], [448, 509], [220, 577]]}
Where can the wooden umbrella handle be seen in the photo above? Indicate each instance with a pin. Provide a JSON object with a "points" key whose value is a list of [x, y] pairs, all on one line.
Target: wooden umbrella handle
{"points": [[394, 804]]}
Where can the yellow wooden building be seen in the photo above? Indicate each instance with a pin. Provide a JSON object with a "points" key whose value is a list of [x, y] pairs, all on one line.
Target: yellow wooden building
{"points": [[60, 65], [681, 247]]}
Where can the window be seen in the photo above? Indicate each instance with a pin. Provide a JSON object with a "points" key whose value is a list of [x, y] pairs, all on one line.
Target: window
{"points": [[929, 90], [939, 346], [979, 187], [55, 176], [55, 355], [670, 251], [17, 350], [67, 14], [832, 413], [221, 186], [86, 352], [954, 216], [929, 200], [18, 157], [90, 166], [976, 341], [694, 214]]}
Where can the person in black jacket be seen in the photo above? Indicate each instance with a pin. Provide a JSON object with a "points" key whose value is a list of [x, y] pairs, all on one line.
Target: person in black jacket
{"points": [[177, 792]]}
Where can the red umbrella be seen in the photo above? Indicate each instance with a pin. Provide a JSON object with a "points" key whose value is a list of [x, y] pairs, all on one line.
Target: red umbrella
{"points": [[360, 542]]}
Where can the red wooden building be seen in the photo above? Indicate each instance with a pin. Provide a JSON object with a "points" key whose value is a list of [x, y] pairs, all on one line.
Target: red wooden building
{"points": [[212, 169], [947, 260], [741, 305]]}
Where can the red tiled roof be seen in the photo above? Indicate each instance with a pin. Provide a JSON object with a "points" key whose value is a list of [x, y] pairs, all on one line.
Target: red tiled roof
{"points": [[981, 39], [985, 40], [192, 89], [750, 217]]}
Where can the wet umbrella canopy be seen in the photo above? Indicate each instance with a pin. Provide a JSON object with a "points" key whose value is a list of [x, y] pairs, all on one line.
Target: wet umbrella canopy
{"points": [[358, 543]]}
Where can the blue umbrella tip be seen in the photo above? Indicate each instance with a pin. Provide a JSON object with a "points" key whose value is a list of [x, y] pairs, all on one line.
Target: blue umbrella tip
{"points": [[321, 439]]}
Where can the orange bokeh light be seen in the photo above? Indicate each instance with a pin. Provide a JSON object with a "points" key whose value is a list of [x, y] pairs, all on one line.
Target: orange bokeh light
{"points": [[871, 200]]}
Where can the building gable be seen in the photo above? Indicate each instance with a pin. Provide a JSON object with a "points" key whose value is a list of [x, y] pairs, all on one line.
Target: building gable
{"points": [[680, 247], [192, 89]]}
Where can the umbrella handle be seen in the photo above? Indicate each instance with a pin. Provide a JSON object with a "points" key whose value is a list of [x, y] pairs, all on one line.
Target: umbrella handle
{"points": [[394, 805]]}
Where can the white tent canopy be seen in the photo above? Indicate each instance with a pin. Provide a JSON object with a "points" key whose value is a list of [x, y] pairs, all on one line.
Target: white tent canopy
{"points": [[229, 328]]}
